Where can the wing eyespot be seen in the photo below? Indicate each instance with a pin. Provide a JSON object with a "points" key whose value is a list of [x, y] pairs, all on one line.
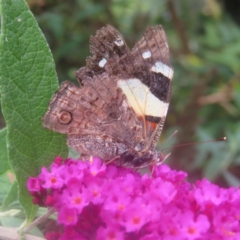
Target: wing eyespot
{"points": [[65, 117]]}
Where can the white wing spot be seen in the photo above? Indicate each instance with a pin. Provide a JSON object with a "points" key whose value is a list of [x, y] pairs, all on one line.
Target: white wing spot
{"points": [[147, 54], [164, 69], [119, 42], [141, 99], [102, 62]]}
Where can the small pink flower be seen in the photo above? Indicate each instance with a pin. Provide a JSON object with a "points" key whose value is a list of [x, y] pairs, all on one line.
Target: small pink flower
{"points": [[96, 166], [166, 173], [67, 216], [193, 227], [226, 221], [33, 184], [163, 190], [58, 160], [49, 200], [51, 179], [94, 190], [110, 233], [134, 217], [70, 172], [75, 196], [151, 236], [71, 233], [117, 202], [206, 193]]}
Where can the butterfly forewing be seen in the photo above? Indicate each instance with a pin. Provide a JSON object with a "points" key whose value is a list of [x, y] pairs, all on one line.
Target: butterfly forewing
{"points": [[149, 89]]}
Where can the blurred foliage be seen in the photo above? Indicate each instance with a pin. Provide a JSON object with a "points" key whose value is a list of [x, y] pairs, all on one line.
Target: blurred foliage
{"points": [[204, 41]]}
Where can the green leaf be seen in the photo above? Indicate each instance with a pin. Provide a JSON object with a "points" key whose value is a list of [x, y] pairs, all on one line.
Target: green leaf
{"points": [[11, 221], [6, 181], [28, 80], [10, 197], [4, 166]]}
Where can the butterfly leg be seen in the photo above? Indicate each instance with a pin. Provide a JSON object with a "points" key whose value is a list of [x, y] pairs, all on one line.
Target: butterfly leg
{"points": [[113, 159]]}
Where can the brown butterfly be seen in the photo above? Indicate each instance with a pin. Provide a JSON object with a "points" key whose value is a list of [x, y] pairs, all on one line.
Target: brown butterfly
{"points": [[118, 111]]}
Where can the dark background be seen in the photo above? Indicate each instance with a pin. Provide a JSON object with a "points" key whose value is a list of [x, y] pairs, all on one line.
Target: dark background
{"points": [[204, 40]]}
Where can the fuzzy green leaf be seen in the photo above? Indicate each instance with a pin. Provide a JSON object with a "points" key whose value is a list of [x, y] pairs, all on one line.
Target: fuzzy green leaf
{"points": [[4, 165], [10, 197], [28, 80]]}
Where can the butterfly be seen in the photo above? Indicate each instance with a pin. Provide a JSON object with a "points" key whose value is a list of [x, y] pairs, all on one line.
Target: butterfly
{"points": [[118, 110]]}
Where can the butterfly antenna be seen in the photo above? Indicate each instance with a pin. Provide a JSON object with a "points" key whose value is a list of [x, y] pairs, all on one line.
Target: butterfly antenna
{"points": [[173, 134], [193, 143]]}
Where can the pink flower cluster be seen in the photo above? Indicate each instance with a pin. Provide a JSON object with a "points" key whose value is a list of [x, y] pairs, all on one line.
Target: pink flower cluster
{"points": [[98, 201]]}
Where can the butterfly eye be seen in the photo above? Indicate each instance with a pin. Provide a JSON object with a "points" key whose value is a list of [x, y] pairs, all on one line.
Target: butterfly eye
{"points": [[65, 117]]}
